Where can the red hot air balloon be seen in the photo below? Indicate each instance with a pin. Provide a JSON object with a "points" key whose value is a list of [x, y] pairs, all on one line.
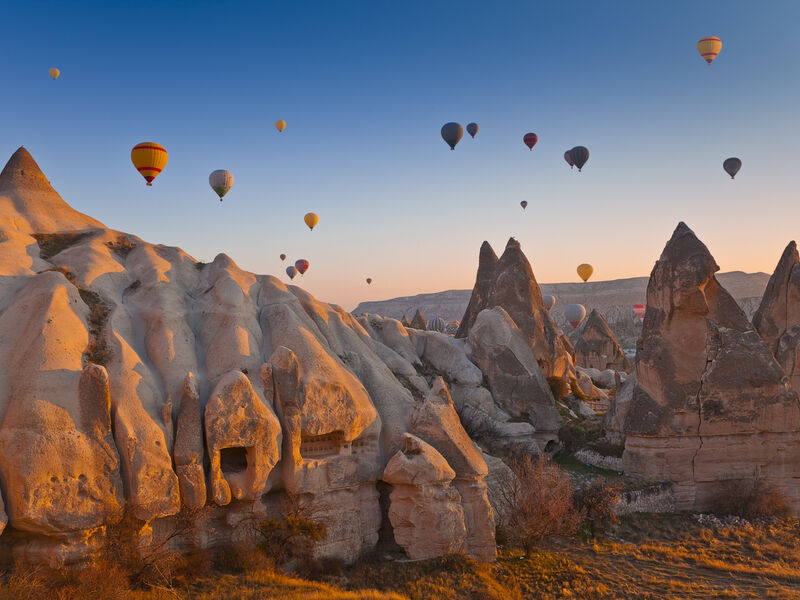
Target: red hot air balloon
{"points": [[302, 265], [369, 280], [283, 257], [639, 310], [530, 140]]}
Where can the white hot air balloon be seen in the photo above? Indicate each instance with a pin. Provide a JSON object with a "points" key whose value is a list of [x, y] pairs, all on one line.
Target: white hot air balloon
{"points": [[575, 314], [221, 181], [549, 301]]}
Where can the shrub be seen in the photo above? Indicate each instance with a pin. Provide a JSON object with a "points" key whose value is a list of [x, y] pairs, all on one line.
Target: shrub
{"points": [[558, 386], [576, 389], [596, 500], [579, 434], [537, 502], [749, 499]]}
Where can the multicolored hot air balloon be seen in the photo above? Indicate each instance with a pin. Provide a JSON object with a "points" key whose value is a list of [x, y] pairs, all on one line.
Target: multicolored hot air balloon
{"points": [[54, 73], [568, 158], [639, 310], [302, 265], [369, 280], [283, 257], [732, 166], [575, 314], [709, 47], [149, 159], [452, 327], [530, 140], [280, 124], [579, 156], [524, 204], [291, 271], [437, 324], [472, 129], [221, 181], [452, 134], [585, 271], [311, 219], [549, 301]]}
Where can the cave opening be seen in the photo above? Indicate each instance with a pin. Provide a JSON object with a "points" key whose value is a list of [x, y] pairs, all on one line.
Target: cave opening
{"points": [[233, 460]]}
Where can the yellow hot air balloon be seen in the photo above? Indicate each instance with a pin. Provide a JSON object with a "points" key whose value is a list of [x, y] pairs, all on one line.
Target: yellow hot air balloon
{"points": [[54, 73], [585, 271], [280, 124], [311, 220], [149, 159], [709, 47]]}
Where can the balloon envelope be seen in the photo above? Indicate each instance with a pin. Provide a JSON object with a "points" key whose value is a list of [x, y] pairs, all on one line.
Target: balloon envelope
{"points": [[579, 155], [291, 272], [452, 133], [575, 314], [221, 181], [709, 47], [311, 219], [732, 166], [54, 73], [524, 204], [568, 158], [549, 301], [280, 124], [585, 271], [369, 280], [149, 159], [283, 257], [530, 140], [437, 324], [301, 265], [472, 129], [639, 310]]}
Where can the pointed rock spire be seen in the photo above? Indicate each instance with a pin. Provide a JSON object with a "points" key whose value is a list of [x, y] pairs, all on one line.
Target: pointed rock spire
{"points": [[487, 261], [419, 322]]}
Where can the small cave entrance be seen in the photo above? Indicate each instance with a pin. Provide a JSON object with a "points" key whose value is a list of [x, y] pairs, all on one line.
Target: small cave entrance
{"points": [[233, 460]]}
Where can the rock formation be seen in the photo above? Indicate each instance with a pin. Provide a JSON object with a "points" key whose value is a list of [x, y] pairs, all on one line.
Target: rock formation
{"points": [[711, 405], [597, 347], [777, 319], [479, 300], [419, 322], [405, 322], [276, 395]]}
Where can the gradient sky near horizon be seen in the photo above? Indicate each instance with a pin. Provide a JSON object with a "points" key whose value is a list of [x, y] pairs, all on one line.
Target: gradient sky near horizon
{"points": [[365, 87]]}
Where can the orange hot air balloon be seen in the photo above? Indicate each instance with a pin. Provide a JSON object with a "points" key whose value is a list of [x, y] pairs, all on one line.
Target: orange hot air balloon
{"points": [[639, 310], [302, 266], [311, 220], [149, 159], [280, 124], [585, 271], [709, 48]]}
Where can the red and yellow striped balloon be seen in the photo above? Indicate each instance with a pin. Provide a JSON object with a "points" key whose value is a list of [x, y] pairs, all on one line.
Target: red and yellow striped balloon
{"points": [[709, 47], [149, 159]]}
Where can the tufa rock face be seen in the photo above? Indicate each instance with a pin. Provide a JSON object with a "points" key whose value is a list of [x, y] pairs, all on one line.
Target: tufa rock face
{"points": [[513, 287], [419, 322], [778, 317], [710, 404], [598, 348]]}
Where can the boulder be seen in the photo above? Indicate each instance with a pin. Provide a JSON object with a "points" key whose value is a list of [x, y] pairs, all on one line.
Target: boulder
{"points": [[597, 346], [425, 510], [711, 406]]}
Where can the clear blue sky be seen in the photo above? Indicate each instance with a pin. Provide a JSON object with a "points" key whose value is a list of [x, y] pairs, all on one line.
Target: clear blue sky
{"points": [[365, 87]]}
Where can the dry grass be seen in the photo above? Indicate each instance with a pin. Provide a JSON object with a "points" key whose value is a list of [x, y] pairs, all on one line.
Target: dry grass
{"points": [[51, 244]]}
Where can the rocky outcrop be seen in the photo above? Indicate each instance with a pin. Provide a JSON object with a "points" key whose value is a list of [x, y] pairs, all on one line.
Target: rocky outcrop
{"points": [[614, 419], [419, 322], [777, 319], [597, 346], [425, 510], [514, 288], [188, 451], [711, 405], [405, 322]]}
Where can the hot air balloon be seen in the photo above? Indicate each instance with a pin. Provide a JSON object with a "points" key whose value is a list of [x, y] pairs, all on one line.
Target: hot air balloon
{"points": [[575, 314], [579, 156], [437, 324], [638, 310], [472, 129], [709, 47], [311, 220], [301, 265], [280, 124], [568, 158], [452, 133], [452, 327], [530, 140], [585, 271], [549, 301], [54, 73], [221, 181], [149, 159], [283, 257], [732, 166], [524, 204], [291, 271], [369, 280]]}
